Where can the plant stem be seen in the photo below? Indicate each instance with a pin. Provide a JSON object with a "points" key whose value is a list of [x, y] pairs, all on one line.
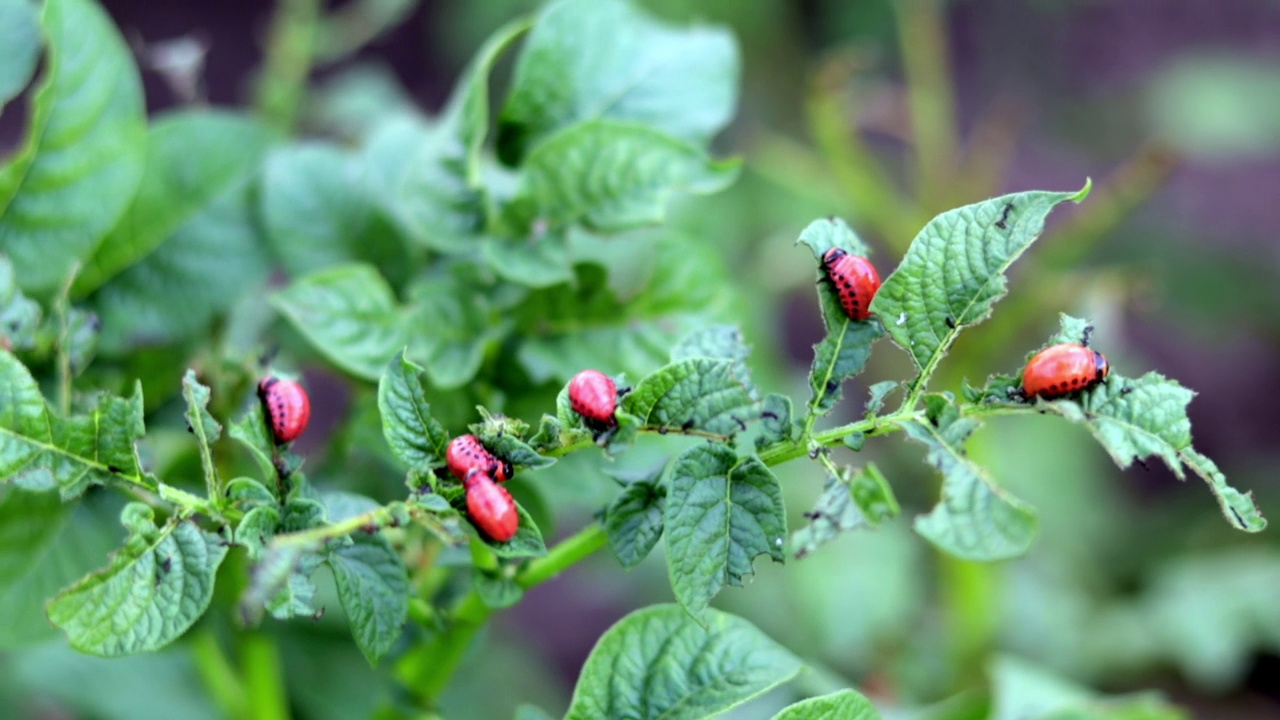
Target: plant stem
{"points": [[260, 663], [217, 673], [923, 40], [290, 50], [471, 613], [789, 450]]}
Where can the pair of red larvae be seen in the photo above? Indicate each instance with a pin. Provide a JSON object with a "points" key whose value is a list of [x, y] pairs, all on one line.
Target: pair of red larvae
{"points": [[1054, 372]]}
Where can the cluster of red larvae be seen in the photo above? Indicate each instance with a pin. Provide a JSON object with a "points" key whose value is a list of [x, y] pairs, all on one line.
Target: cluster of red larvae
{"points": [[591, 393], [1056, 371]]}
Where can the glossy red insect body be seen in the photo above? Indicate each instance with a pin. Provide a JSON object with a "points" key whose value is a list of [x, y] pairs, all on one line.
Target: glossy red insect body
{"points": [[1063, 369], [594, 396], [287, 406], [491, 507], [466, 453], [855, 280]]}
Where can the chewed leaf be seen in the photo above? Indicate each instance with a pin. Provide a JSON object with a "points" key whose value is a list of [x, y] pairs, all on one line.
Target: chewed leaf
{"points": [[202, 425], [721, 513], [851, 501], [975, 519], [844, 350], [660, 664], [698, 394], [38, 448], [1147, 416], [775, 420], [155, 588], [954, 271]]}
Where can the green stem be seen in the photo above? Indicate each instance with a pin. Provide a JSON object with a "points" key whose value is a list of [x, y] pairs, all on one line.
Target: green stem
{"points": [[260, 663], [290, 51], [188, 504], [471, 613], [217, 673], [923, 40]]}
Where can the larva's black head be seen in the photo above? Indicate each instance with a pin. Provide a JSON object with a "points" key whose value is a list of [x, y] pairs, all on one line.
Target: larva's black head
{"points": [[265, 386], [507, 470], [1101, 365], [832, 255]]}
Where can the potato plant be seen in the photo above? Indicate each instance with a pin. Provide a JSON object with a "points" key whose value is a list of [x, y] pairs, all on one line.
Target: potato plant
{"points": [[458, 270]]}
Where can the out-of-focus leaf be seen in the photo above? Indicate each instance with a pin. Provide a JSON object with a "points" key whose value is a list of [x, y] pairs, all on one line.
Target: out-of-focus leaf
{"points": [[854, 500], [82, 158], [592, 59], [842, 705]]}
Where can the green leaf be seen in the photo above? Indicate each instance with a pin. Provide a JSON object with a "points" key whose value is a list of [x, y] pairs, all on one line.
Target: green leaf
{"points": [[851, 501], [496, 589], [295, 597], [374, 588], [660, 663], [529, 712], [45, 545], [844, 350], [349, 315], [1138, 418], [719, 342], [38, 448], [318, 211], [610, 176], [19, 47], [280, 582], [953, 272], [698, 394], [672, 285], [633, 521], [842, 705], [202, 425], [879, 392], [438, 193], [19, 315], [591, 59], [79, 339], [155, 587], [411, 432], [526, 543], [193, 158], [176, 292], [511, 448], [83, 154], [255, 529], [1022, 691], [540, 260], [975, 519], [721, 513], [775, 421], [251, 432], [449, 325], [245, 493]]}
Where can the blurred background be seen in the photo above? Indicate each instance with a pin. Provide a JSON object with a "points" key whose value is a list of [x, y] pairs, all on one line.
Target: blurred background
{"points": [[884, 113]]}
